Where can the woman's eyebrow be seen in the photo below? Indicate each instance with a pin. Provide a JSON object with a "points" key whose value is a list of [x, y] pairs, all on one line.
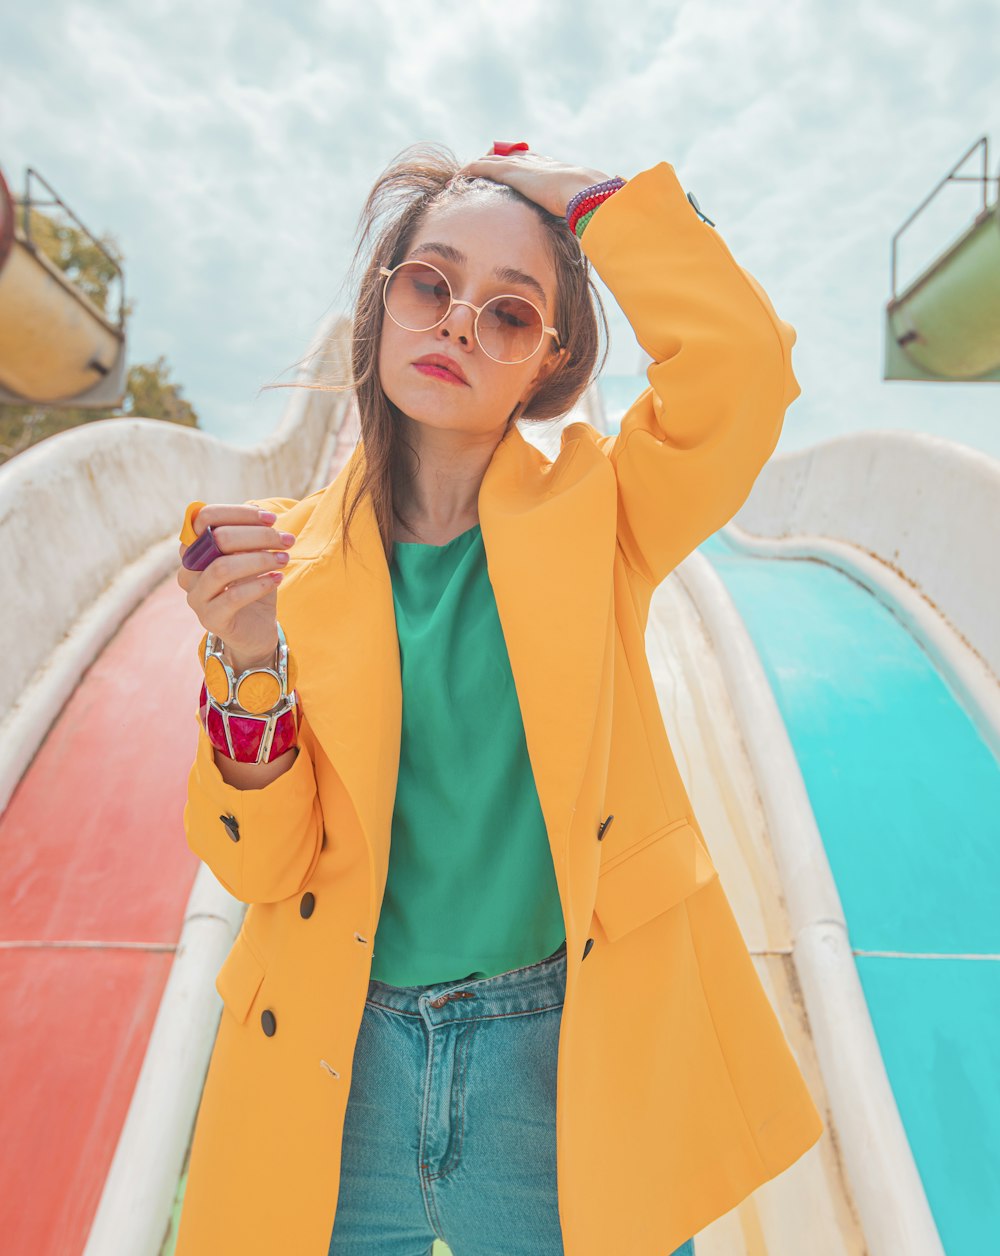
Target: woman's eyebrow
{"points": [[509, 274]]}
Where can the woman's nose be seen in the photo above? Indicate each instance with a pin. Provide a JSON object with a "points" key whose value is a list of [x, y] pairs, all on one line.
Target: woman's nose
{"points": [[461, 321]]}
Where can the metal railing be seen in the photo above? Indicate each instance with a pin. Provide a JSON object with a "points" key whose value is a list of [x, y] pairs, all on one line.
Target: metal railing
{"points": [[28, 203], [951, 177]]}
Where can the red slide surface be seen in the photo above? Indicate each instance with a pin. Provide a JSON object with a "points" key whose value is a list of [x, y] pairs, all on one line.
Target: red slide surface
{"points": [[95, 874], [94, 877]]}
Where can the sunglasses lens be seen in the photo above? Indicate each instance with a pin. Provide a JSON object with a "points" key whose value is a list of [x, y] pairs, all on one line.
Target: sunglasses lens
{"points": [[417, 296], [510, 329]]}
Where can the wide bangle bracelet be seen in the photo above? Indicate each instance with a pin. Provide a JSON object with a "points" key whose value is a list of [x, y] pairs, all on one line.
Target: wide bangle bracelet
{"points": [[252, 717]]}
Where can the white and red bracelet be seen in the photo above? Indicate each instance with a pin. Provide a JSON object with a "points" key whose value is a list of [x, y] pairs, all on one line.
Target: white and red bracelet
{"points": [[252, 717]]}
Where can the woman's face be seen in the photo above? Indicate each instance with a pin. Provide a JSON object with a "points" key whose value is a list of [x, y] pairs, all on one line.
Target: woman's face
{"points": [[467, 240]]}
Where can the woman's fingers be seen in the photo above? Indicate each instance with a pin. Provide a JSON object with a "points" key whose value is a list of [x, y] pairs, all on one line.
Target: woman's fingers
{"points": [[242, 592], [235, 538], [235, 596], [238, 532], [215, 513], [231, 569]]}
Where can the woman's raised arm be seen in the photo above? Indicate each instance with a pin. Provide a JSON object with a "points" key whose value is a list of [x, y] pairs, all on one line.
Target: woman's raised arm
{"points": [[693, 443]]}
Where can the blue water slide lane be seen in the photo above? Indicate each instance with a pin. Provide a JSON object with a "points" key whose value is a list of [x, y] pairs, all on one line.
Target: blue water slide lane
{"points": [[907, 799]]}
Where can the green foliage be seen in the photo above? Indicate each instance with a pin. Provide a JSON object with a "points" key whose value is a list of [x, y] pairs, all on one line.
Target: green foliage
{"points": [[78, 257], [149, 394]]}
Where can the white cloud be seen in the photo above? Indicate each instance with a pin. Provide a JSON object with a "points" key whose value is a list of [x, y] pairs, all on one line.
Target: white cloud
{"points": [[230, 147]]}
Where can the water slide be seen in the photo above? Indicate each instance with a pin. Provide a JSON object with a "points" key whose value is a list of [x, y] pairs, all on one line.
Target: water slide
{"points": [[827, 669], [852, 804], [111, 931]]}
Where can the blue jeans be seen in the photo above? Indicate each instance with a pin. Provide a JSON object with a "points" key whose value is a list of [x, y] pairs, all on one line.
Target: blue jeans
{"points": [[450, 1130]]}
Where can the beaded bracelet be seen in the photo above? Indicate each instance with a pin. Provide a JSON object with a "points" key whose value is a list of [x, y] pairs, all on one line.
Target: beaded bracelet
{"points": [[583, 205], [594, 190], [592, 195]]}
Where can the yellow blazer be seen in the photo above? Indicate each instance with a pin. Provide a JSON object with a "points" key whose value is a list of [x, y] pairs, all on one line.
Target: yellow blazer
{"points": [[678, 1094]]}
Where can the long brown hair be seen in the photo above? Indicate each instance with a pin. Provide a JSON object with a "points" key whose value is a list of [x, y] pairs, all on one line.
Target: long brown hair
{"points": [[422, 175]]}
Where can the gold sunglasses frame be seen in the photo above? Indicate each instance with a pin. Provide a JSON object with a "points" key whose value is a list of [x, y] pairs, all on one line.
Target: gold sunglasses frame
{"points": [[478, 309]]}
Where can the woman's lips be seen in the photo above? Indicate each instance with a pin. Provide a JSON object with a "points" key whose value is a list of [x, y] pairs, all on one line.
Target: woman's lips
{"points": [[439, 372]]}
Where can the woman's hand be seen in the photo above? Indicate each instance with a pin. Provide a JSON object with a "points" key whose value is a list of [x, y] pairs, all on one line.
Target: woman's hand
{"points": [[550, 183], [236, 596]]}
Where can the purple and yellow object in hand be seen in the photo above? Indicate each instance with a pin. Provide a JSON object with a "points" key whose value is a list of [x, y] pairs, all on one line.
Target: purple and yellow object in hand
{"points": [[201, 550]]}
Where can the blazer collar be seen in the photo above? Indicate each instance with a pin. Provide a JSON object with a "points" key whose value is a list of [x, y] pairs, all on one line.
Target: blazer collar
{"points": [[549, 533]]}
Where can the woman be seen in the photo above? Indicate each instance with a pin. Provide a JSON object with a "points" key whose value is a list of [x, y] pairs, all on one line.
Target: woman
{"points": [[556, 1041]]}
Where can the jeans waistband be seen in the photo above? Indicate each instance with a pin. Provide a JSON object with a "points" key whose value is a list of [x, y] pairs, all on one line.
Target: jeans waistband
{"points": [[534, 988]]}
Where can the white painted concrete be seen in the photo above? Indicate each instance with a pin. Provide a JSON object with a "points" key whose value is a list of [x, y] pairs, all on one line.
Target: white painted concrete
{"points": [[139, 1192], [923, 507]]}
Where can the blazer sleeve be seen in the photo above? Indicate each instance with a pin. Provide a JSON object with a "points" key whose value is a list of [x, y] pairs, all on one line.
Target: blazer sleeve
{"points": [[692, 444], [261, 844]]}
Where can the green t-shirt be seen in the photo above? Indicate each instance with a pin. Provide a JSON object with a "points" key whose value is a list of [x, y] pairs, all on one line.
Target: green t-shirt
{"points": [[471, 890]]}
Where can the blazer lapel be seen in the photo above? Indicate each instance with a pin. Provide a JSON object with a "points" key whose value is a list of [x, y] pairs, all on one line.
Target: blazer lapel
{"points": [[549, 534]]}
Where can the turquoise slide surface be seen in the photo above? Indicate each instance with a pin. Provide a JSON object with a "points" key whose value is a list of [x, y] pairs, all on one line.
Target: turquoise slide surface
{"points": [[907, 798]]}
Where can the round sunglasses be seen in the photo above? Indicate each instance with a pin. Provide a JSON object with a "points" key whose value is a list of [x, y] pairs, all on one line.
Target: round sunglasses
{"points": [[509, 329]]}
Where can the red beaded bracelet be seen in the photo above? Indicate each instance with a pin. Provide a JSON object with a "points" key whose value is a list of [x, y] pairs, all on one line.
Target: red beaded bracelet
{"points": [[583, 204]]}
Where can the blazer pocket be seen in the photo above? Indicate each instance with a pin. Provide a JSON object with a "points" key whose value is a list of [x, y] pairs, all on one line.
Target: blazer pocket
{"points": [[239, 978], [651, 877]]}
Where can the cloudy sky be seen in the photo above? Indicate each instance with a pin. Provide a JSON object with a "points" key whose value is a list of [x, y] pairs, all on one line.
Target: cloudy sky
{"points": [[229, 148]]}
